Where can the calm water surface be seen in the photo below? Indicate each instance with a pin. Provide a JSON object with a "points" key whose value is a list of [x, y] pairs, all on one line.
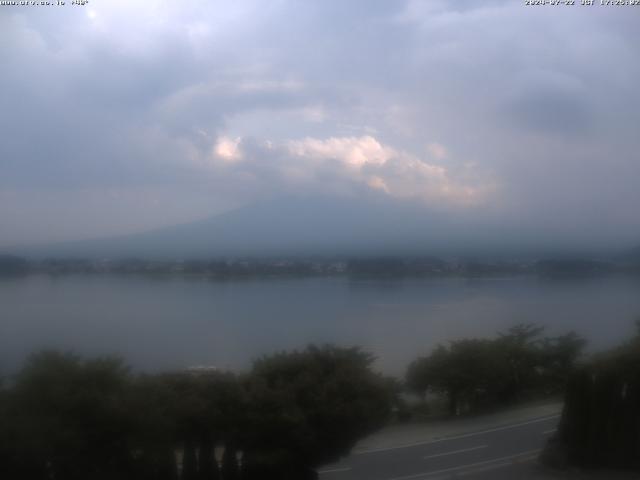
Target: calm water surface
{"points": [[159, 323]]}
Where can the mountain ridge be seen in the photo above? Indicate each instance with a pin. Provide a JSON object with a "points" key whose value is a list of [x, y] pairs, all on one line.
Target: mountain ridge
{"points": [[318, 225]]}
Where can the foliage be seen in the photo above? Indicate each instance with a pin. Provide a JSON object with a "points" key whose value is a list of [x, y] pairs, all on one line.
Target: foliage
{"points": [[315, 404], [70, 418], [476, 373], [600, 425], [66, 417]]}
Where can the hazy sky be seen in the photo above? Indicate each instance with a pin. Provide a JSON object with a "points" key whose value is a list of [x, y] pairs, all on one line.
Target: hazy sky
{"points": [[120, 116]]}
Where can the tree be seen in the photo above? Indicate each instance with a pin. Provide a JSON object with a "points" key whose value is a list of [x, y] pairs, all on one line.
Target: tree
{"points": [[600, 424], [309, 407], [186, 412], [154, 406], [466, 372], [476, 373], [69, 418], [422, 373], [559, 356], [520, 348]]}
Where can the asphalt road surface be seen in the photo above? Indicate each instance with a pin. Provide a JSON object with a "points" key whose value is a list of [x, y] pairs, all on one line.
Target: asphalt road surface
{"points": [[504, 452]]}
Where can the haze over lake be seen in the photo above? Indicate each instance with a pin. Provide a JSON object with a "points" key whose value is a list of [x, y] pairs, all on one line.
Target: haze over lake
{"points": [[176, 322]]}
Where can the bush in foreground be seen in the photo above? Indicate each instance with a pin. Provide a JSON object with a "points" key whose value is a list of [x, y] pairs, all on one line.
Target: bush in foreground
{"points": [[71, 418], [481, 373], [600, 425]]}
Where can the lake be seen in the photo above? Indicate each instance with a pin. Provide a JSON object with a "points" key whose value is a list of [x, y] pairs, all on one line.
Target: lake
{"points": [[175, 322]]}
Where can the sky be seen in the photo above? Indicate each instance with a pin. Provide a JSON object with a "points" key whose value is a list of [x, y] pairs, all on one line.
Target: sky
{"points": [[122, 116]]}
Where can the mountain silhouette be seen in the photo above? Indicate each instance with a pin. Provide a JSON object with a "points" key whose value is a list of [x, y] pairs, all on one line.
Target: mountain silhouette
{"points": [[284, 226], [323, 226]]}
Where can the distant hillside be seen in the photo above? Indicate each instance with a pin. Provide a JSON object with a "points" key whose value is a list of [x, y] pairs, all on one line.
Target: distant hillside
{"points": [[327, 226], [634, 256], [284, 226], [11, 265]]}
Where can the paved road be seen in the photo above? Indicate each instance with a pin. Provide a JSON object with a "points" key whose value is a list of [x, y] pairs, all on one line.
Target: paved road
{"points": [[499, 452]]}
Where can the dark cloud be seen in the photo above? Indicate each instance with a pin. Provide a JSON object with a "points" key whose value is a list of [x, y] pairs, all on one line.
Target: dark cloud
{"points": [[553, 109]]}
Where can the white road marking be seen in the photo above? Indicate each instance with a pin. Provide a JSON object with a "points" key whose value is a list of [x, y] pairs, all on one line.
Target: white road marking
{"points": [[334, 470], [456, 437], [455, 451], [488, 468], [495, 466], [547, 432], [501, 461]]}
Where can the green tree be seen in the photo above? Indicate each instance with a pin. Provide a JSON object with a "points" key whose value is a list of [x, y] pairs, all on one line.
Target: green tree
{"points": [[520, 348], [466, 372], [600, 424], [186, 412], [309, 407], [559, 356], [476, 373], [69, 418]]}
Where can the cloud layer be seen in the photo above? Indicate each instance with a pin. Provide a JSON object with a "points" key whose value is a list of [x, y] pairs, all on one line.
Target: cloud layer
{"points": [[345, 165], [120, 116]]}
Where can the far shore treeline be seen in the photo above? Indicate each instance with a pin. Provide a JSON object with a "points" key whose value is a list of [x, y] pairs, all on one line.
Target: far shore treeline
{"points": [[369, 266], [64, 416]]}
